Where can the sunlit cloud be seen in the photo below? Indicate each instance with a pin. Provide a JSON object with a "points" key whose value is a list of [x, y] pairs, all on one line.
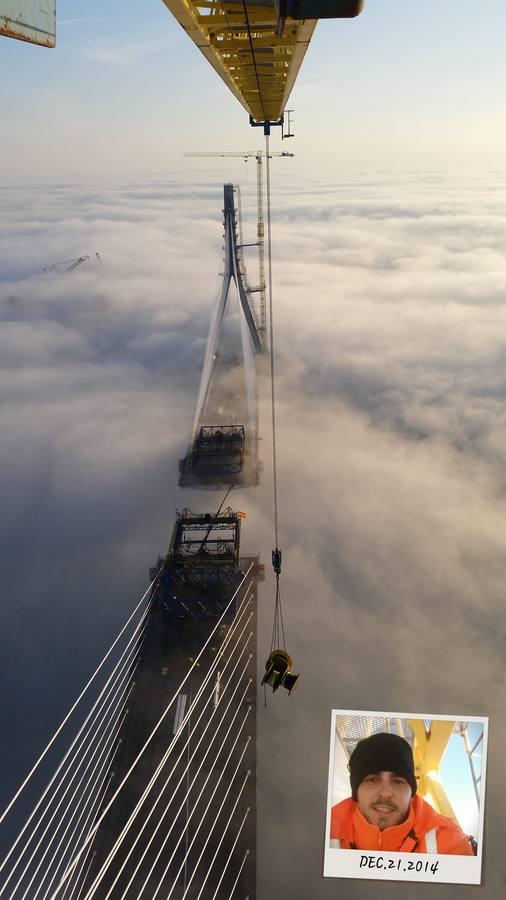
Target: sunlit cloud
{"points": [[389, 316]]}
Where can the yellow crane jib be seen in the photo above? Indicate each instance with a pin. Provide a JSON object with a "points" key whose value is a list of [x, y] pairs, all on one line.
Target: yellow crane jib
{"points": [[429, 747], [257, 47]]}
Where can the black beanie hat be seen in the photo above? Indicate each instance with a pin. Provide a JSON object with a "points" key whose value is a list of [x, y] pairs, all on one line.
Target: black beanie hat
{"points": [[381, 753]]}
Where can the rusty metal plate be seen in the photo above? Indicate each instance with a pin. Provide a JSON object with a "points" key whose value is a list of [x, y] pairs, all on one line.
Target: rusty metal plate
{"points": [[29, 20]]}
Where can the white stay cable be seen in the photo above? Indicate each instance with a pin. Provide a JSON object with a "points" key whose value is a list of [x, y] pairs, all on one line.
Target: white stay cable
{"points": [[86, 729], [246, 814], [86, 793], [102, 816], [213, 826], [218, 782], [135, 637], [73, 707], [80, 879], [167, 780], [168, 751], [119, 690], [193, 782], [103, 780], [241, 867]]}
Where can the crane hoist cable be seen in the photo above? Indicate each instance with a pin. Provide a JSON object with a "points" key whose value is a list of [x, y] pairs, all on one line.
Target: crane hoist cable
{"points": [[278, 666], [237, 50], [250, 39]]}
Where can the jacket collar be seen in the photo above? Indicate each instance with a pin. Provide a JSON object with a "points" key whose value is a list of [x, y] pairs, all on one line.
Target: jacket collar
{"points": [[392, 838]]}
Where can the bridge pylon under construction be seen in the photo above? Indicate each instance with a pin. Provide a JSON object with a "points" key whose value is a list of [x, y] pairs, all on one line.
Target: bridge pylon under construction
{"points": [[184, 824], [156, 795], [199, 840], [224, 445]]}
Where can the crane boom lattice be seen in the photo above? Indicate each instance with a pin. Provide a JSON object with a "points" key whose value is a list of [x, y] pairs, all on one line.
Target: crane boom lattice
{"points": [[239, 39]]}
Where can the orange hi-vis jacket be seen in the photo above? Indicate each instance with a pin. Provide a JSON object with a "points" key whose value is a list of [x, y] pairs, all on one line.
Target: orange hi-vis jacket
{"points": [[424, 831]]}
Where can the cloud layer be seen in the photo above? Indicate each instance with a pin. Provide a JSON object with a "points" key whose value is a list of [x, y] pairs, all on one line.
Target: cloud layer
{"points": [[389, 321]]}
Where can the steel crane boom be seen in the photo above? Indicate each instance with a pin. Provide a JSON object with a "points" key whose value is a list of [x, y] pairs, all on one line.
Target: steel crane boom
{"points": [[257, 46]]}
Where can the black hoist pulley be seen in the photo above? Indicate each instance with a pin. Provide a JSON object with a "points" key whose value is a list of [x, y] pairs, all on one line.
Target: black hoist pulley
{"points": [[278, 671]]}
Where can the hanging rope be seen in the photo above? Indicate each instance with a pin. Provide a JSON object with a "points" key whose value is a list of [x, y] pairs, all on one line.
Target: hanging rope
{"points": [[253, 58], [278, 631]]}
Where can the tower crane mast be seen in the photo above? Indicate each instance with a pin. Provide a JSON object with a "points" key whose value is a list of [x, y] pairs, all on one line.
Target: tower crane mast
{"points": [[258, 155]]}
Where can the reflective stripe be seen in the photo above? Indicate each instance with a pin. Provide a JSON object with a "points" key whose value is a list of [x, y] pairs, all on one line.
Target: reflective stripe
{"points": [[180, 708], [431, 841], [335, 843]]}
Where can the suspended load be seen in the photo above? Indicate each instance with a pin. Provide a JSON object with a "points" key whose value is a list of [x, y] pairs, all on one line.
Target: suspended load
{"points": [[278, 671]]}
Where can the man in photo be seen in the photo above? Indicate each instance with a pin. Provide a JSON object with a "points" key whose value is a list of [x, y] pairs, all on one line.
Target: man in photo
{"points": [[384, 811]]}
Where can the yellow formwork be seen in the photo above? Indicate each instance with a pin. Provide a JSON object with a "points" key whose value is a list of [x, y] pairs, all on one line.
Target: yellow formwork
{"points": [[428, 751], [239, 40]]}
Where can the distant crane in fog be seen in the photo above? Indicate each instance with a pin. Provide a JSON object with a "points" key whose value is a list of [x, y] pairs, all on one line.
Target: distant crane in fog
{"points": [[71, 264]]}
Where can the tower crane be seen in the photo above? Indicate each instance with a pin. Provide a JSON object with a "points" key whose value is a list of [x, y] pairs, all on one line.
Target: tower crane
{"points": [[69, 264], [256, 154]]}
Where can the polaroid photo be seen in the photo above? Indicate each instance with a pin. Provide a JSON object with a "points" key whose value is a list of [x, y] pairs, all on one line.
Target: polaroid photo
{"points": [[406, 797]]}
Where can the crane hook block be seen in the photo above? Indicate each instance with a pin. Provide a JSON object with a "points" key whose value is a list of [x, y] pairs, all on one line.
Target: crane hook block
{"points": [[276, 561], [278, 671]]}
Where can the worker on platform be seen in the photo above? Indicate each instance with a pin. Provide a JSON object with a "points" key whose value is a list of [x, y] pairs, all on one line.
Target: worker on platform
{"points": [[384, 811]]}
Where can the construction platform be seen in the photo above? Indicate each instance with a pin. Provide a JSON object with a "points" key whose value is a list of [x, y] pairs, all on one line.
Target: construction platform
{"points": [[203, 557], [218, 458]]}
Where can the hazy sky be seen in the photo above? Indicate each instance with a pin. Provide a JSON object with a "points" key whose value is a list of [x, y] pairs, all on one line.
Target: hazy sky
{"points": [[126, 91], [389, 291]]}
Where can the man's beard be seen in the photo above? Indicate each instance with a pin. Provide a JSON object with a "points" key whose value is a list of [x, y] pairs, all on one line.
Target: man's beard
{"points": [[385, 814]]}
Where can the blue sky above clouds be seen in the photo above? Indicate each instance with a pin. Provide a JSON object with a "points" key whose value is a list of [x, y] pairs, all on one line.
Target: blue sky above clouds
{"points": [[412, 85]]}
